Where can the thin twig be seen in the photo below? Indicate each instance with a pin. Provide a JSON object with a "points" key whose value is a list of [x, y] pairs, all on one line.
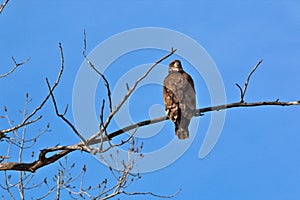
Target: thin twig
{"points": [[20, 125], [106, 83], [26, 120], [58, 186], [62, 115], [52, 88], [3, 5], [243, 92], [16, 65], [101, 150], [152, 194]]}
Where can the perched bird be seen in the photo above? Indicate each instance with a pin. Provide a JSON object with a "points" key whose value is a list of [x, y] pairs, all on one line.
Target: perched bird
{"points": [[179, 98]]}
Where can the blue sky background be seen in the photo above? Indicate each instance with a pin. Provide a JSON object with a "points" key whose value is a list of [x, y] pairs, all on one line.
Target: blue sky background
{"points": [[257, 155]]}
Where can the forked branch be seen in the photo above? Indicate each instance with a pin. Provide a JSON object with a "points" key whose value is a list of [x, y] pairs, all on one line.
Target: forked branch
{"points": [[52, 88], [106, 83], [42, 160], [15, 66], [243, 91], [26, 120], [62, 116]]}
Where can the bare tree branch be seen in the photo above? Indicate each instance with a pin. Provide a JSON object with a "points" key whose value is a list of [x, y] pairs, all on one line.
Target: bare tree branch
{"points": [[42, 160], [20, 125], [152, 194], [15, 62], [26, 119], [244, 104], [62, 115], [106, 83], [3, 5], [243, 92], [199, 112], [52, 88]]}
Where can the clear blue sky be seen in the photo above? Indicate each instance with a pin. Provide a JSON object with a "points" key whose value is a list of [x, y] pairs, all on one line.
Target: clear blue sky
{"points": [[257, 155]]}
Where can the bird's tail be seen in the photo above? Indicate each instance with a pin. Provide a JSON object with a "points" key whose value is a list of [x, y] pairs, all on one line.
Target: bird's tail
{"points": [[182, 133]]}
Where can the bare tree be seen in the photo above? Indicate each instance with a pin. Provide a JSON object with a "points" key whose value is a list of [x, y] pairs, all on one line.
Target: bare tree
{"points": [[16, 140], [20, 147]]}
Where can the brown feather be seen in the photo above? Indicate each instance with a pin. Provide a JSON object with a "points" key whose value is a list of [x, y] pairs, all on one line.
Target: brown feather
{"points": [[179, 98]]}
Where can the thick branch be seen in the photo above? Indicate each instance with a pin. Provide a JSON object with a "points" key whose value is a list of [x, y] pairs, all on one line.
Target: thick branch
{"points": [[64, 150], [199, 112], [244, 104], [42, 160]]}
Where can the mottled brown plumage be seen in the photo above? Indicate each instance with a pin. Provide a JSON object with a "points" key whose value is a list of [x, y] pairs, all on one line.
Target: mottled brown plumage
{"points": [[179, 98]]}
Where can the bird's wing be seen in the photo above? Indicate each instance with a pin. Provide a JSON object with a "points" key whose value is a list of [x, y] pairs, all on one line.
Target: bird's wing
{"points": [[188, 101], [175, 84], [173, 94]]}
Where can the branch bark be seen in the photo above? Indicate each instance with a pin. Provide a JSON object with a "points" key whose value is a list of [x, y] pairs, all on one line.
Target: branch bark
{"points": [[14, 67], [42, 161], [199, 112], [2, 6]]}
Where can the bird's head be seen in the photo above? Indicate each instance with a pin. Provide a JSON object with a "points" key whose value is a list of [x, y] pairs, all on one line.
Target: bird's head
{"points": [[175, 65]]}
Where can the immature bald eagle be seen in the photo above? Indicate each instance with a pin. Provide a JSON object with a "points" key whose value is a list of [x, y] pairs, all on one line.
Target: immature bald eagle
{"points": [[179, 98]]}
